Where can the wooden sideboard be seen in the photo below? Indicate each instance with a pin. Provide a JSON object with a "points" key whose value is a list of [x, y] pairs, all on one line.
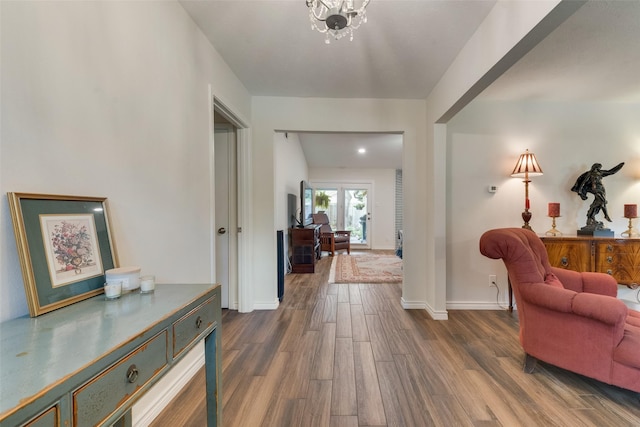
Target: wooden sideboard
{"points": [[305, 248], [88, 363], [616, 256]]}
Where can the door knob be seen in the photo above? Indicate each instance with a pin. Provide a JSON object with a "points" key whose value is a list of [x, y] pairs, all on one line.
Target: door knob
{"points": [[221, 230]]}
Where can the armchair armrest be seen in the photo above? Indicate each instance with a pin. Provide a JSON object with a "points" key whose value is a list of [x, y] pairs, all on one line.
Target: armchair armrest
{"points": [[344, 232], [326, 237], [547, 296], [595, 283], [606, 309], [598, 307], [600, 283]]}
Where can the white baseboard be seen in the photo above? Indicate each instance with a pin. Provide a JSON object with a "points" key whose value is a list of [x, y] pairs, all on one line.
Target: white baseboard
{"points": [[452, 305], [164, 391], [266, 305], [412, 305], [421, 305], [466, 305]]}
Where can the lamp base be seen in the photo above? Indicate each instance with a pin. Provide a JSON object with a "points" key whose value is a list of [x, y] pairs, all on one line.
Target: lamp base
{"points": [[553, 231], [526, 217]]}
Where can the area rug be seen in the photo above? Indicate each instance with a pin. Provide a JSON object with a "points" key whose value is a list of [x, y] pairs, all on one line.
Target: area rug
{"points": [[365, 268]]}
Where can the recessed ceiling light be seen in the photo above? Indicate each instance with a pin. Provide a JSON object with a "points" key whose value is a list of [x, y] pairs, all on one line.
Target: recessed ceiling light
{"points": [[361, 150]]}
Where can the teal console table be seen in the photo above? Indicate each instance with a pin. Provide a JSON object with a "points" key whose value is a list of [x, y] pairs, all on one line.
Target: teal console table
{"points": [[88, 363]]}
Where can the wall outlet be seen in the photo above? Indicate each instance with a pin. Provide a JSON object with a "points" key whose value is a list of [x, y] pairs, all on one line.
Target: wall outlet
{"points": [[493, 280]]}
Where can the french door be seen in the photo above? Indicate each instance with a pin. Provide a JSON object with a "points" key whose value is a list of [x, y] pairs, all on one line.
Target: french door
{"points": [[348, 208]]}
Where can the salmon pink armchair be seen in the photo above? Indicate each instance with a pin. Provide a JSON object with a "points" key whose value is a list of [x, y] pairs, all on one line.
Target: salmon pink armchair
{"points": [[568, 319]]}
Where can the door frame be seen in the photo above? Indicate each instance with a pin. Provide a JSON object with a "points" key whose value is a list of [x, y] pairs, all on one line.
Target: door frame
{"points": [[244, 301]]}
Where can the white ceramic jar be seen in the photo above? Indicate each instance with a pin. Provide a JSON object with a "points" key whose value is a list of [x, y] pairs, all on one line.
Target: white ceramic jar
{"points": [[130, 277]]}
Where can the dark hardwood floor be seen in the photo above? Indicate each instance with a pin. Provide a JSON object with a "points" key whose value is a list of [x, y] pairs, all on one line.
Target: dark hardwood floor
{"points": [[349, 355]]}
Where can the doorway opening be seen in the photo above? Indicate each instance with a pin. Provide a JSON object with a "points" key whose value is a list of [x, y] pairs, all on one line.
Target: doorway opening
{"points": [[341, 161]]}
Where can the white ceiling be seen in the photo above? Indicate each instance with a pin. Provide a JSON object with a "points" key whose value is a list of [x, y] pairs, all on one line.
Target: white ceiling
{"points": [[401, 52], [405, 48], [340, 150], [592, 57]]}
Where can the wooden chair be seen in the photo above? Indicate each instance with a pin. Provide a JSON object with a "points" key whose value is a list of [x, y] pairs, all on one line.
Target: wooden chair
{"points": [[330, 240]]}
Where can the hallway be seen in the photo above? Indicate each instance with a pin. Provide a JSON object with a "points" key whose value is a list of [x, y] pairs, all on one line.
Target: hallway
{"points": [[349, 355]]}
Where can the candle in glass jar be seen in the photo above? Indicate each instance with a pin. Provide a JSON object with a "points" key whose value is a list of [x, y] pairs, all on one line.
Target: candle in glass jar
{"points": [[554, 210], [630, 211], [147, 284]]}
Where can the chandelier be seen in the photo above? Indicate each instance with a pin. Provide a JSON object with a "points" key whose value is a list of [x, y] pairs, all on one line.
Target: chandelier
{"points": [[336, 18]]}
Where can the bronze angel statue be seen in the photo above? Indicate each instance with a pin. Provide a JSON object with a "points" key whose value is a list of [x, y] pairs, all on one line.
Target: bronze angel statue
{"points": [[591, 182]]}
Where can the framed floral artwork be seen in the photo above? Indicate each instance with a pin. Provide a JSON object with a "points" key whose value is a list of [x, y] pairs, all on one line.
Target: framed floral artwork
{"points": [[64, 244]]}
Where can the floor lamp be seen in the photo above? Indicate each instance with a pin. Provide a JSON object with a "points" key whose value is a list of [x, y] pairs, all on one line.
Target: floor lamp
{"points": [[526, 167]]}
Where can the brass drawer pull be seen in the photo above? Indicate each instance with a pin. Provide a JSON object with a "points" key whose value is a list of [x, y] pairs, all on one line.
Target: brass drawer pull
{"points": [[132, 374], [564, 261], [609, 272], [609, 259], [198, 322], [610, 248]]}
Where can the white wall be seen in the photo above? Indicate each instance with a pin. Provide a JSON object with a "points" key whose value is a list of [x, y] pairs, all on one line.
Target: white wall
{"points": [[510, 30], [112, 99], [290, 167], [484, 142], [382, 197]]}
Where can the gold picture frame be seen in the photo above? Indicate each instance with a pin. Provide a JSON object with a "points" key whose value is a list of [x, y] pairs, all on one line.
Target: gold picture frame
{"points": [[64, 244]]}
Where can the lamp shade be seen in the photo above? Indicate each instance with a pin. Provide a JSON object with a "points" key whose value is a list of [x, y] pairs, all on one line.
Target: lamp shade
{"points": [[527, 166]]}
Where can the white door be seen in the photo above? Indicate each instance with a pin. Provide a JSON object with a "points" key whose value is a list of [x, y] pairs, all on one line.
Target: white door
{"points": [[348, 207], [357, 213], [225, 213]]}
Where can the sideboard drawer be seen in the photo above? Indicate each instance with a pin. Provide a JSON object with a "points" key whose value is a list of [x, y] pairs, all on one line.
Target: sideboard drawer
{"points": [[569, 254], [194, 323], [48, 418], [620, 259], [103, 395]]}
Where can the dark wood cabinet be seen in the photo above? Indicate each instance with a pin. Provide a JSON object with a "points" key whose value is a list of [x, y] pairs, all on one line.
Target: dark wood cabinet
{"points": [[618, 257], [305, 248]]}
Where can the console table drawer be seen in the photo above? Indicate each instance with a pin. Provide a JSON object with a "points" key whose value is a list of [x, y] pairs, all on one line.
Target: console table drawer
{"points": [[108, 391], [48, 418], [187, 329]]}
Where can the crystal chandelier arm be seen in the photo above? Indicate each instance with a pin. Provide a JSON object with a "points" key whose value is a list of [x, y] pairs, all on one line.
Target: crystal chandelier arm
{"points": [[324, 3], [346, 7], [364, 5], [318, 10]]}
